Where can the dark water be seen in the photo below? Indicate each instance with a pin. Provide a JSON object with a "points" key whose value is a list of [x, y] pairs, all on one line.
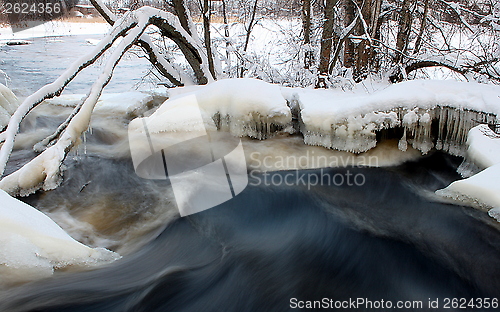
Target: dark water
{"points": [[385, 240]]}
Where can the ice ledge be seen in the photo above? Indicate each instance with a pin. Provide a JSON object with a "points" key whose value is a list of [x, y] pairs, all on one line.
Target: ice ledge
{"points": [[430, 114]]}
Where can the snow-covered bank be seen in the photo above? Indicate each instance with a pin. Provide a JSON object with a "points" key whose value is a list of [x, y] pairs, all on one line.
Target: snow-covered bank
{"points": [[54, 29], [32, 246], [349, 120], [482, 190]]}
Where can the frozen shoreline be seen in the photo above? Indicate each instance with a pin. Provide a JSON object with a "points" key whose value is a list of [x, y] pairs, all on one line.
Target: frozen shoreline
{"points": [[54, 29]]}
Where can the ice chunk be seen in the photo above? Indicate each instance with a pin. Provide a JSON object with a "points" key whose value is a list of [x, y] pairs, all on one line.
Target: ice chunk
{"points": [[32, 245], [495, 213], [481, 190], [484, 146]]}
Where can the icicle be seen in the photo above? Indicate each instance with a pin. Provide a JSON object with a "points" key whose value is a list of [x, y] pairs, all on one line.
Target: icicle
{"points": [[85, 143], [403, 144]]}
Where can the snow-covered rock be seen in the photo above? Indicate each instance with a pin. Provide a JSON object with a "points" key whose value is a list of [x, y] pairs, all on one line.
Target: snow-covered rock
{"points": [[8, 105], [481, 190], [32, 246]]}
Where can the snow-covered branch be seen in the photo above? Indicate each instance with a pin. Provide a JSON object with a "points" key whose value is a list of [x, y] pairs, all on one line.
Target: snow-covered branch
{"points": [[55, 88], [44, 171]]}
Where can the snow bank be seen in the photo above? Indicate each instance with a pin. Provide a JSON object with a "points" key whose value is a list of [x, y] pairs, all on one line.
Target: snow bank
{"points": [[349, 121], [8, 105], [243, 107], [482, 190], [32, 246]]}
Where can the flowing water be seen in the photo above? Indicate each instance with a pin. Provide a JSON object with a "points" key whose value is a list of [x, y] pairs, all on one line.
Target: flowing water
{"points": [[388, 238]]}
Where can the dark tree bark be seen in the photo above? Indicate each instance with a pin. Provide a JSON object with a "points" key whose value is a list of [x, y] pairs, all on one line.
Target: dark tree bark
{"points": [[349, 16], [423, 24], [306, 27], [189, 51], [206, 30], [360, 51], [404, 29], [182, 14], [326, 42]]}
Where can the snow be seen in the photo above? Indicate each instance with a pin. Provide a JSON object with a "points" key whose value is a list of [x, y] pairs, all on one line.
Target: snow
{"points": [[349, 120], [8, 105], [33, 246], [484, 146], [243, 107], [482, 189]]}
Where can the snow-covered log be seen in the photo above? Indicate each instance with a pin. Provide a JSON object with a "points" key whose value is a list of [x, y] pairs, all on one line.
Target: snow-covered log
{"points": [[55, 88], [169, 70]]}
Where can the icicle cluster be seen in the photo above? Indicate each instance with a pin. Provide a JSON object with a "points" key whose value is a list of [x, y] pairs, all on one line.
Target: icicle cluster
{"points": [[257, 126], [353, 134], [444, 128]]}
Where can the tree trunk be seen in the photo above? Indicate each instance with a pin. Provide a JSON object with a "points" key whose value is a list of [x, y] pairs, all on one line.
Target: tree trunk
{"points": [[404, 29], [182, 14], [306, 26], [326, 42], [360, 53], [349, 54], [423, 24], [208, 41]]}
